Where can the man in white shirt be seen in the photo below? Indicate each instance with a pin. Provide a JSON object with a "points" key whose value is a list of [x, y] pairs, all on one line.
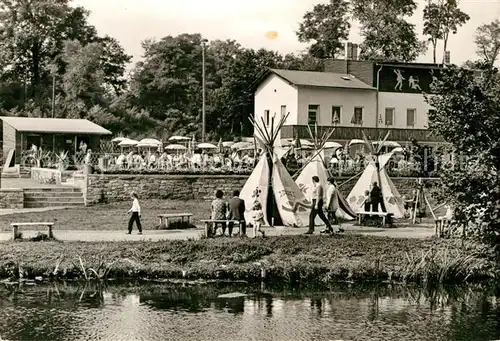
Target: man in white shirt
{"points": [[317, 207]]}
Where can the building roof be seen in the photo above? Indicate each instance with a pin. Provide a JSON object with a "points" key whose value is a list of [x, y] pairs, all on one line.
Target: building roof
{"points": [[54, 125], [320, 79]]}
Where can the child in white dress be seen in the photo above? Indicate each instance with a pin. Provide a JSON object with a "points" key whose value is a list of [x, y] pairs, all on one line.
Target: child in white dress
{"points": [[257, 219]]}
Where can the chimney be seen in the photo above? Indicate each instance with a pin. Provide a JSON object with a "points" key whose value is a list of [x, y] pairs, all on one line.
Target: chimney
{"points": [[348, 53], [447, 57], [354, 51]]}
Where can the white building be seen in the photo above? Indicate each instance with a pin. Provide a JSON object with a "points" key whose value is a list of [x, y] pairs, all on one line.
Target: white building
{"points": [[322, 98], [363, 95]]}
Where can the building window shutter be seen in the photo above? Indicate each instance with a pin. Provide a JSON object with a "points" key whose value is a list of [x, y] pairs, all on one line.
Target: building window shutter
{"points": [[266, 114], [283, 110]]}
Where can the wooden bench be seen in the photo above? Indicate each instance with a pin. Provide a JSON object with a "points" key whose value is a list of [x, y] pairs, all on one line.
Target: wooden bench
{"points": [[15, 227], [210, 222], [164, 218], [379, 214]]}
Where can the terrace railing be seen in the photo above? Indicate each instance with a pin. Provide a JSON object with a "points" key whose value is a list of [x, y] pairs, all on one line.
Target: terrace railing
{"points": [[349, 133]]}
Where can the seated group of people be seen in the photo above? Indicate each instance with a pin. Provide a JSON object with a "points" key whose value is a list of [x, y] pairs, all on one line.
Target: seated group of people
{"points": [[234, 210]]}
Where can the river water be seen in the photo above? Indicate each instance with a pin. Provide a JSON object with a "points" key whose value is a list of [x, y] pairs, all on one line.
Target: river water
{"points": [[173, 311]]}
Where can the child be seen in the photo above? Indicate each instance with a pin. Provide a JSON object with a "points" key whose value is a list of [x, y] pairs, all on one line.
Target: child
{"points": [[258, 218], [136, 214], [368, 202]]}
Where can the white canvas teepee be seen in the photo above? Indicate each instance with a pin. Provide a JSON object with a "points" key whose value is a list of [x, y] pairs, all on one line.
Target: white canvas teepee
{"points": [[316, 166], [392, 199], [271, 185]]}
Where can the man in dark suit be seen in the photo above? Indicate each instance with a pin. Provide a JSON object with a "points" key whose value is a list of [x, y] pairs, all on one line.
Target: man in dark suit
{"points": [[237, 212]]}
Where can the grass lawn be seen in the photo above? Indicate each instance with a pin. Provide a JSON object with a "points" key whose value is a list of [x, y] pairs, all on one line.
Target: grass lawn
{"points": [[286, 258], [111, 216]]}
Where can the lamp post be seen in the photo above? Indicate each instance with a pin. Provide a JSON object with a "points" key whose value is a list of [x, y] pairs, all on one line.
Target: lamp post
{"points": [[203, 45]]}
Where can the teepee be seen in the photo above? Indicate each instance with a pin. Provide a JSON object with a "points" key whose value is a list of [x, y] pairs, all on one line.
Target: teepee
{"points": [[316, 166], [270, 184], [375, 172]]}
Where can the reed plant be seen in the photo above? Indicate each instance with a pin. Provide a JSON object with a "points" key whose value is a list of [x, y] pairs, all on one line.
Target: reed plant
{"points": [[446, 265]]}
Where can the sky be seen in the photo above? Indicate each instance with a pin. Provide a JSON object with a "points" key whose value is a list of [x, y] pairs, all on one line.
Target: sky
{"points": [[132, 21]]}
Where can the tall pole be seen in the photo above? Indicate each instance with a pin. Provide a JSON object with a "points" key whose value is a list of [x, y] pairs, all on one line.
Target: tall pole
{"points": [[53, 93], [203, 90]]}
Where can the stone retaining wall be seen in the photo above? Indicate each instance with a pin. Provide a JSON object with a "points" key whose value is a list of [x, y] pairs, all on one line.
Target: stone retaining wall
{"points": [[11, 198], [188, 187]]}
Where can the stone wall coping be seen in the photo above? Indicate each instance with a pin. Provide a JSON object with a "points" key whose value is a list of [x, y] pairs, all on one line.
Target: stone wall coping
{"points": [[11, 190], [219, 176], [171, 176]]}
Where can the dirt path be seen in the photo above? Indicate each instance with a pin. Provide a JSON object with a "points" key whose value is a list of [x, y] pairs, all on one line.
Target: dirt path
{"points": [[155, 235]]}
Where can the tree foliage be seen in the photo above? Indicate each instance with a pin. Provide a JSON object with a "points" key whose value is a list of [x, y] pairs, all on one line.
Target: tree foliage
{"points": [[387, 35], [451, 18], [468, 116], [433, 25], [488, 41], [327, 27]]}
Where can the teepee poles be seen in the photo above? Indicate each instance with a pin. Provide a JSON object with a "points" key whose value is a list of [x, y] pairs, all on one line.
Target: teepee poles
{"points": [[421, 193]]}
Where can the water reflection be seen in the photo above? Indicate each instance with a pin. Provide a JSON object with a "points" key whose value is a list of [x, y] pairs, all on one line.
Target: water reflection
{"points": [[196, 312]]}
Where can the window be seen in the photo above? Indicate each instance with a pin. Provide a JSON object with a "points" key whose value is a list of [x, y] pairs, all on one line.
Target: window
{"points": [[283, 110], [410, 117], [312, 114], [357, 118], [432, 111], [336, 110], [389, 116], [266, 116]]}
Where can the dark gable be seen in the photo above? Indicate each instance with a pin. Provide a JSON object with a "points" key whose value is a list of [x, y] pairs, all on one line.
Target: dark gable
{"points": [[406, 80]]}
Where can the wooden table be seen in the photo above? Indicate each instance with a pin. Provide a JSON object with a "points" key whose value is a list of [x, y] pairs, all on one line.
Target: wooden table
{"points": [[165, 218], [15, 227]]}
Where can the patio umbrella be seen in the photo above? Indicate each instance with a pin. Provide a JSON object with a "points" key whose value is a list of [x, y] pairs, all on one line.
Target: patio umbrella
{"points": [[206, 146], [389, 144], [242, 144], [175, 147], [249, 147], [227, 143], [286, 142], [356, 141], [149, 143], [118, 139], [332, 145], [179, 138], [128, 143]]}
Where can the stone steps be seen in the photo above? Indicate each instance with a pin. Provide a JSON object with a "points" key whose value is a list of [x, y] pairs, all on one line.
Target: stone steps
{"points": [[36, 204], [53, 197]]}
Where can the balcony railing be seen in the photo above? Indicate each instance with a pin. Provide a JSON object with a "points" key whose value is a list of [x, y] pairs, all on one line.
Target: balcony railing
{"points": [[349, 133]]}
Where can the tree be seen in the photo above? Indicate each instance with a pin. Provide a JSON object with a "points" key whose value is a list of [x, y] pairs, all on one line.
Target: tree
{"points": [[167, 83], [113, 62], [327, 26], [84, 78], [468, 117], [33, 31], [387, 35], [488, 41], [451, 18], [433, 25]]}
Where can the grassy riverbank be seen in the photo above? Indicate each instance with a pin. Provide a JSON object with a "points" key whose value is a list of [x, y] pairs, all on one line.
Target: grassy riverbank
{"points": [[287, 258]]}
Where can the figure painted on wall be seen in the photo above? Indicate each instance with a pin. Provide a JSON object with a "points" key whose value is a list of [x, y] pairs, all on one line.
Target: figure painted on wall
{"points": [[413, 83], [399, 79]]}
